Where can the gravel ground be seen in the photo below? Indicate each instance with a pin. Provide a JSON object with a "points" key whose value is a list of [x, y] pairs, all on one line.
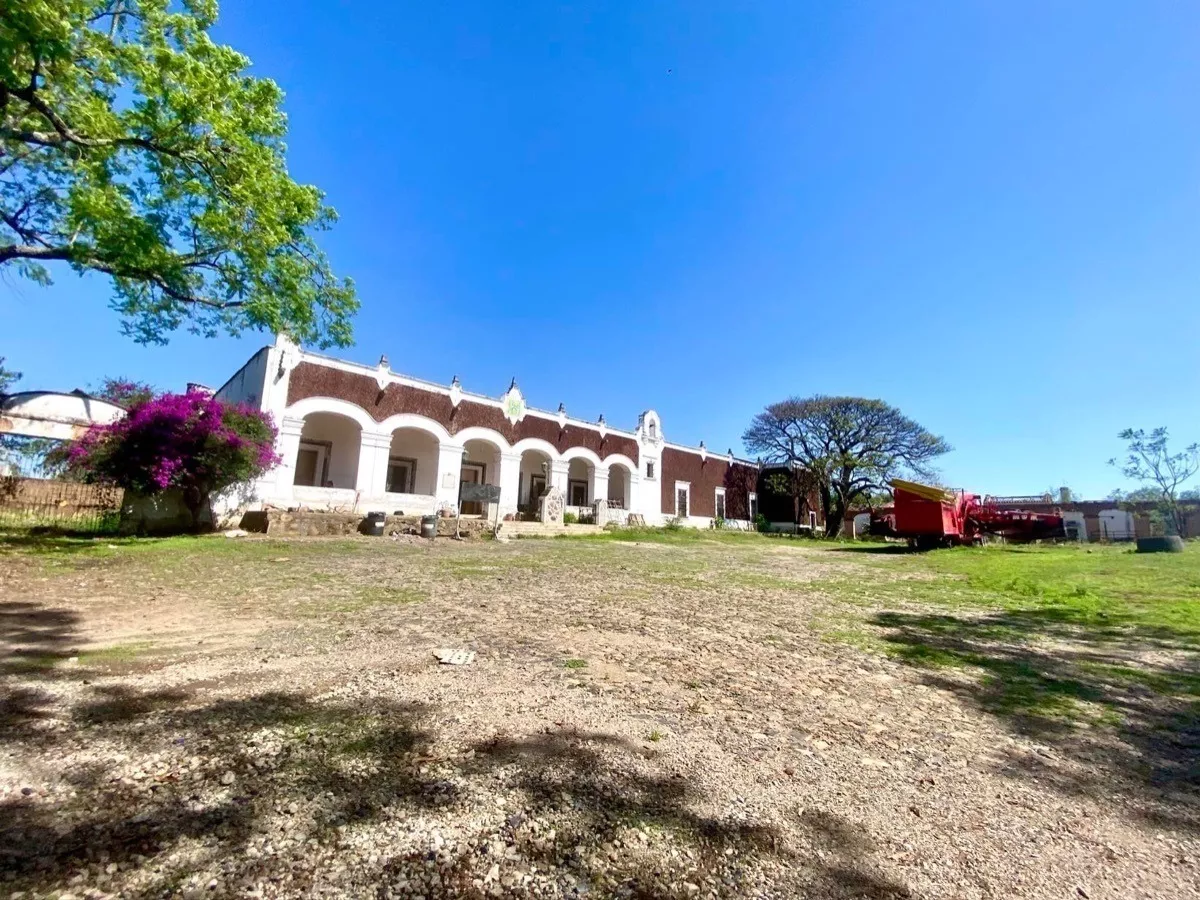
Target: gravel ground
{"points": [[255, 718]]}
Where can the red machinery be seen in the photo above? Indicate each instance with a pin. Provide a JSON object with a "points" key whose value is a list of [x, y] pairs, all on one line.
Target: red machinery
{"points": [[933, 517]]}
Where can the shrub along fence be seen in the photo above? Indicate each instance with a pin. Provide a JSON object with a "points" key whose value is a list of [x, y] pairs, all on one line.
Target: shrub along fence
{"points": [[60, 505]]}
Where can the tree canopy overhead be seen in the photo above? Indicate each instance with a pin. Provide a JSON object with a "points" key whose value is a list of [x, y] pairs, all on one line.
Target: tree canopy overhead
{"points": [[133, 145], [850, 447]]}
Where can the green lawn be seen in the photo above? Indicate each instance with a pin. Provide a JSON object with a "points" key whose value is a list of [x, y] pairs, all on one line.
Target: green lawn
{"points": [[1051, 636], [1099, 589]]}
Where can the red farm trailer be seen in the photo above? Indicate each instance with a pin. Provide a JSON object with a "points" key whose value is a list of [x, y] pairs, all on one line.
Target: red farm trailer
{"points": [[931, 517]]}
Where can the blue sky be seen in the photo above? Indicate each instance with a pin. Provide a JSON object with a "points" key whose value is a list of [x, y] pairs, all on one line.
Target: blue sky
{"points": [[984, 213]]}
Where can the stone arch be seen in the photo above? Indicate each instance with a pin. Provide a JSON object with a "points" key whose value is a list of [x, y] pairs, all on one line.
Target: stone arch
{"points": [[532, 453], [538, 444], [621, 471], [328, 450], [581, 453], [479, 433], [622, 460], [310, 405], [417, 423]]}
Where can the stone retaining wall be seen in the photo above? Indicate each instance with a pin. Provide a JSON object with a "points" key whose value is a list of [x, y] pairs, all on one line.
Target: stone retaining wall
{"points": [[314, 523]]}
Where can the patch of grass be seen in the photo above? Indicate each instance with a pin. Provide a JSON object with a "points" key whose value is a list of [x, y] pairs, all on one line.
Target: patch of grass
{"points": [[117, 653], [575, 663], [1166, 682], [24, 663], [1100, 589], [1016, 618], [655, 736]]}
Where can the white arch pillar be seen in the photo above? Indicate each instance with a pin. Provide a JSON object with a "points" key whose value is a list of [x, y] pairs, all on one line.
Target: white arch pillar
{"points": [[598, 489], [510, 482], [278, 484], [373, 451], [559, 471], [449, 474]]}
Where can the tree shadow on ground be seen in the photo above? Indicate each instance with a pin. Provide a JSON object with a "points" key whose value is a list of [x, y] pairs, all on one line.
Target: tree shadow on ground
{"points": [[55, 544], [34, 641], [1120, 700], [160, 791]]}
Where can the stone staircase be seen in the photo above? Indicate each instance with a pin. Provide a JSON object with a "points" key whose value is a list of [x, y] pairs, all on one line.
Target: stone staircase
{"points": [[544, 529]]}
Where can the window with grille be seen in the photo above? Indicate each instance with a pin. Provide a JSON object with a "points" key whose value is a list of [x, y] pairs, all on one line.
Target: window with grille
{"points": [[682, 499]]}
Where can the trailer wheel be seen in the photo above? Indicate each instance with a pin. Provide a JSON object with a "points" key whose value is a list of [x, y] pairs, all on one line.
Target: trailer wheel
{"points": [[1172, 543]]}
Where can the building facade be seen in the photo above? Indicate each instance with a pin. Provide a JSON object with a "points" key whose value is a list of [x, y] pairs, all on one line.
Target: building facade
{"points": [[363, 438]]}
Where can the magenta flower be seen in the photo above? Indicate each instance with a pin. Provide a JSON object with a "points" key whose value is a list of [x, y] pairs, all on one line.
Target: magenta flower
{"points": [[192, 442]]}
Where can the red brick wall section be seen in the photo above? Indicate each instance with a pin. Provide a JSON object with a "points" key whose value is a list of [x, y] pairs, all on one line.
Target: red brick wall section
{"points": [[312, 380], [705, 477]]}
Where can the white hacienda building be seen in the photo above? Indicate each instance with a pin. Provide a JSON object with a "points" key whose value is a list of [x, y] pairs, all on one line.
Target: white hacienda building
{"points": [[362, 438]]}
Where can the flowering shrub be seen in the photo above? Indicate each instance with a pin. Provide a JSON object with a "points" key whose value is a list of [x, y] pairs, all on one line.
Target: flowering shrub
{"points": [[193, 442]]}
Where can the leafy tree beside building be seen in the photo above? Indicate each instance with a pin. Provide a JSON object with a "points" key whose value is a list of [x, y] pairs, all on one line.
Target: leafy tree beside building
{"points": [[135, 146], [848, 448]]}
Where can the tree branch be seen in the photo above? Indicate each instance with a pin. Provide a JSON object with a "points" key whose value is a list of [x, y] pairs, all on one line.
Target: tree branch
{"points": [[81, 256]]}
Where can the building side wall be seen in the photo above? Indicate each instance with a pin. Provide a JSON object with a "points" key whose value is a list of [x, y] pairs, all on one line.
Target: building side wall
{"points": [[312, 380], [705, 475], [247, 384]]}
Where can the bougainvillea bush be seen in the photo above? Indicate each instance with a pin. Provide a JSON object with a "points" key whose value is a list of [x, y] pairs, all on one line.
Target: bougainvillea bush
{"points": [[192, 442]]}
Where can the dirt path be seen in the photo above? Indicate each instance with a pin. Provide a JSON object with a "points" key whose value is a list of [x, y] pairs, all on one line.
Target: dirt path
{"points": [[265, 718]]}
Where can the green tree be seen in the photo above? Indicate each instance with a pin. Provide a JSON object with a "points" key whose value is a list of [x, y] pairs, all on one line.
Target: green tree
{"points": [[134, 145], [7, 378], [124, 392], [850, 447], [794, 482], [1148, 459]]}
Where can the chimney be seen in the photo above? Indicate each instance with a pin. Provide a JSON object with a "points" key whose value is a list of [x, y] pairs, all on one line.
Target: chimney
{"points": [[1064, 495]]}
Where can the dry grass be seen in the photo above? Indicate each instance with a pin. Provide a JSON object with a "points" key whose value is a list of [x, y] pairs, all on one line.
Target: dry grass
{"points": [[745, 716]]}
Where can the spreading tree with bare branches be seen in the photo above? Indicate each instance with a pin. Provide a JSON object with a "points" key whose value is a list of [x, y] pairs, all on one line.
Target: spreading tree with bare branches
{"points": [[848, 447], [1149, 460], [133, 145]]}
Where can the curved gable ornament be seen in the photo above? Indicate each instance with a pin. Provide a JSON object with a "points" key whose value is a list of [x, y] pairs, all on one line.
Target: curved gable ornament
{"points": [[383, 373], [514, 404]]}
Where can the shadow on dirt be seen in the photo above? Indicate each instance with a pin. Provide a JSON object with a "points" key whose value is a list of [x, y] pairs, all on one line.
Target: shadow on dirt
{"points": [[160, 791], [1122, 700]]}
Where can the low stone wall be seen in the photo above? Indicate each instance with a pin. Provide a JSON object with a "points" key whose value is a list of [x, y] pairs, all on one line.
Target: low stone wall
{"points": [[316, 523]]}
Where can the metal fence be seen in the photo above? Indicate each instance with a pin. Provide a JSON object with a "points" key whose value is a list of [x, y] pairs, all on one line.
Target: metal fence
{"points": [[27, 503]]}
